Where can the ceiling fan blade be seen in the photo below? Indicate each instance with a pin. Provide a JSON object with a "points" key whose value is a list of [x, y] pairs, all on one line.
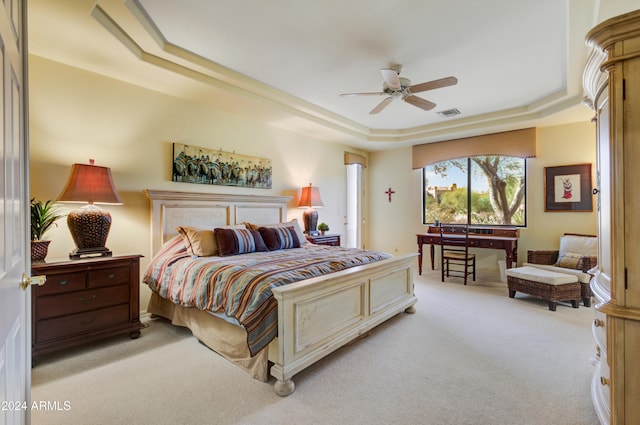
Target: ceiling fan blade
{"points": [[419, 102], [435, 84], [378, 93], [382, 105], [391, 78]]}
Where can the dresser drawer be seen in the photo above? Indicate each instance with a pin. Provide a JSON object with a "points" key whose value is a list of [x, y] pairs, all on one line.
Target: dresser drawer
{"points": [[599, 330], [109, 276], [62, 283], [81, 322], [485, 244], [77, 302]]}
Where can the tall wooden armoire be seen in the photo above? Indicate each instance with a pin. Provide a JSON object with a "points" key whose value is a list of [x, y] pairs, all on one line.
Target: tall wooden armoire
{"points": [[612, 83]]}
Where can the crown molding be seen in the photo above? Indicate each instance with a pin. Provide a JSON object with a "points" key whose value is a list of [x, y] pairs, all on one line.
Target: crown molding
{"points": [[144, 40]]}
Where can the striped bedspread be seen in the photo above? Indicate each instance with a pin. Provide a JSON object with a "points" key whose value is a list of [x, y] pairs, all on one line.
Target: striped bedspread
{"points": [[238, 287]]}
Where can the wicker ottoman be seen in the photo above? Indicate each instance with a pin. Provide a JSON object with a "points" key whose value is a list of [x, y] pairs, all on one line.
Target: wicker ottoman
{"points": [[545, 284]]}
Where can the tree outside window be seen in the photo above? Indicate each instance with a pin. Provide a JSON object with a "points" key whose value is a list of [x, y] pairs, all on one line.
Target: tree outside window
{"points": [[482, 190]]}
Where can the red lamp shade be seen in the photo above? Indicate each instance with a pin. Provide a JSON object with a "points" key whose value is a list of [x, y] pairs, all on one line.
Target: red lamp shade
{"points": [[89, 225], [310, 199]]}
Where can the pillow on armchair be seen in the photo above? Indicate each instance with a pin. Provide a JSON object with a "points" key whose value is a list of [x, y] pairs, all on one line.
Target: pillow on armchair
{"points": [[570, 260], [578, 244], [577, 252]]}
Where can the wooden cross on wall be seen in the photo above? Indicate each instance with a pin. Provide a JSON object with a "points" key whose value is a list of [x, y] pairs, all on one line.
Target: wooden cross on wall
{"points": [[390, 192]]}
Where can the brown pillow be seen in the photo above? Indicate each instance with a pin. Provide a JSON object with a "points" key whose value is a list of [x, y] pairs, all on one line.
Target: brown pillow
{"points": [[270, 238], [279, 237], [251, 226], [201, 243], [239, 241], [291, 223]]}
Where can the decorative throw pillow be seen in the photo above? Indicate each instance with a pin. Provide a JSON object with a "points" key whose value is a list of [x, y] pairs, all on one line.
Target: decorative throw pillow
{"points": [[287, 236], [239, 241], [279, 237], [201, 243], [291, 223], [569, 260], [252, 226], [270, 238]]}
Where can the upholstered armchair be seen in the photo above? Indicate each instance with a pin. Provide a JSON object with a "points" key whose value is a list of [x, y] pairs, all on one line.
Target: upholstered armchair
{"points": [[576, 255]]}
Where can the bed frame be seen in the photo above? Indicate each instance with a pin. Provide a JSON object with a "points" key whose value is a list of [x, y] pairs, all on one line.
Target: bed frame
{"points": [[315, 316]]}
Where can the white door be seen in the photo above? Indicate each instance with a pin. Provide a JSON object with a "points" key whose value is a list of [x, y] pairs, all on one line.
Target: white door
{"points": [[354, 206], [15, 344]]}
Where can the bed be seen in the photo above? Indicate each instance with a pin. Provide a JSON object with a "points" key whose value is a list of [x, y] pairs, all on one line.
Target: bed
{"points": [[314, 316]]}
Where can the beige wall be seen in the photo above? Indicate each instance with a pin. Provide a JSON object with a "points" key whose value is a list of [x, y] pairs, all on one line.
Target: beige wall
{"points": [[394, 225], [77, 115]]}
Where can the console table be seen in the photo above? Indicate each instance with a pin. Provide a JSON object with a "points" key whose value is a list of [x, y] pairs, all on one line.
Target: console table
{"points": [[505, 238]]}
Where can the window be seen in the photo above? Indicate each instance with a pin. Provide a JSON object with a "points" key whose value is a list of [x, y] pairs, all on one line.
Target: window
{"points": [[482, 190]]}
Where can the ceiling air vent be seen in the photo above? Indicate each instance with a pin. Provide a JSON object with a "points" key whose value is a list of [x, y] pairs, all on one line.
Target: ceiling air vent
{"points": [[449, 113]]}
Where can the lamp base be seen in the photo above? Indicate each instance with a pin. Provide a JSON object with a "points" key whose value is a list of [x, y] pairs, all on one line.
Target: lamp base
{"points": [[79, 253], [310, 218], [89, 227]]}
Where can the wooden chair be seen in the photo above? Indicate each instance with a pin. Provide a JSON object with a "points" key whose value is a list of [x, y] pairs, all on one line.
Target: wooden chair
{"points": [[454, 249]]}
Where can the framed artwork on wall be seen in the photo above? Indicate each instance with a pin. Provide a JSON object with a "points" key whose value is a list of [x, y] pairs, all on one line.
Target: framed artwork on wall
{"points": [[568, 188], [192, 164]]}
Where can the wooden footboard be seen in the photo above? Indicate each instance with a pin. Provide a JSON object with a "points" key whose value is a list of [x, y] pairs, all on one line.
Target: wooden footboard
{"points": [[317, 316]]}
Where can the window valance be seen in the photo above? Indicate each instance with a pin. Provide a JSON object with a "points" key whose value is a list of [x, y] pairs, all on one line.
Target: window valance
{"points": [[518, 143], [354, 158]]}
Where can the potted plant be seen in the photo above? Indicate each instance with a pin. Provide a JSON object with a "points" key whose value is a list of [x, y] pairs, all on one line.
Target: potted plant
{"points": [[43, 216], [323, 227]]}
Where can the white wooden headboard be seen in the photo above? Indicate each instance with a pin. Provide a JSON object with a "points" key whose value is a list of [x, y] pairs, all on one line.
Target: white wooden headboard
{"points": [[170, 209]]}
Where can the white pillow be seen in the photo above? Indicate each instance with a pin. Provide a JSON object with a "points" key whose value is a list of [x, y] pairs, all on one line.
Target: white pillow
{"points": [[585, 245]]}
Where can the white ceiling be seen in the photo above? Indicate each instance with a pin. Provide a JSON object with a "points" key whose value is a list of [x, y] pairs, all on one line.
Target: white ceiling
{"points": [[518, 62]]}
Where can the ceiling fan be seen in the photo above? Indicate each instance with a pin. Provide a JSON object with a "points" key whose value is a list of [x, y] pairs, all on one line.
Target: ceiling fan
{"points": [[395, 86]]}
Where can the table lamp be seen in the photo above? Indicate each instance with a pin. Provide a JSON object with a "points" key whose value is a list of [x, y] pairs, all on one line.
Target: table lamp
{"points": [[310, 199], [89, 225]]}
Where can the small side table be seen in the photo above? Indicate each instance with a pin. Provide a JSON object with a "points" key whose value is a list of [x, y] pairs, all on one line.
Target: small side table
{"points": [[326, 239]]}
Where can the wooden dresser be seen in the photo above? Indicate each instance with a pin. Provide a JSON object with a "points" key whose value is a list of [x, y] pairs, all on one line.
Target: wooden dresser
{"points": [[85, 300], [612, 83]]}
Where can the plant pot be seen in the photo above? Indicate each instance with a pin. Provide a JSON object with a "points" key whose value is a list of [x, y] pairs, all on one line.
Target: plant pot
{"points": [[39, 250]]}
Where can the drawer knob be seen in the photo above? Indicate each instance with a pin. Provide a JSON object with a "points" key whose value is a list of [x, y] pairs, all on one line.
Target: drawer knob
{"points": [[598, 323], [87, 321], [604, 381], [84, 300], [63, 282], [111, 275]]}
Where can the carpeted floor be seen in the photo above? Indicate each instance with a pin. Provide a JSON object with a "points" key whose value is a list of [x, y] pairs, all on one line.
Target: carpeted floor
{"points": [[470, 355]]}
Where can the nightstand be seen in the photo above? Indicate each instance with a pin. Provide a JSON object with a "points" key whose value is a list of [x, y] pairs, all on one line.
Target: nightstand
{"points": [[85, 300], [331, 240]]}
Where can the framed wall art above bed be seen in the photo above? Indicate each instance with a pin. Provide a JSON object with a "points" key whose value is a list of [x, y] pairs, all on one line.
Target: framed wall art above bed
{"points": [[193, 164]]}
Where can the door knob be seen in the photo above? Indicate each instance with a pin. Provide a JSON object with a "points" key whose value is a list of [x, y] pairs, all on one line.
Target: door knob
{"points": [[31, 280]]}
